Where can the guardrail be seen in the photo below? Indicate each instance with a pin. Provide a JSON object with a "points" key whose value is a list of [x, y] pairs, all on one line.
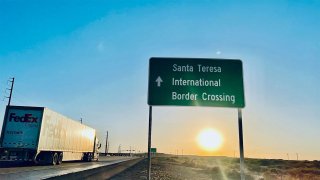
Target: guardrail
{"points": [[103, 172]]}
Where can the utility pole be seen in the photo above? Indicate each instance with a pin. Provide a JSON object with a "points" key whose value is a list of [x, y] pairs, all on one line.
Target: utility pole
{"points": [[106, 148], [119, 149], [11, 89]]}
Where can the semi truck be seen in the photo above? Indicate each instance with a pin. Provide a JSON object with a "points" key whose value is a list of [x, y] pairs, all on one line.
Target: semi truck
{"points": [[40, 135]]}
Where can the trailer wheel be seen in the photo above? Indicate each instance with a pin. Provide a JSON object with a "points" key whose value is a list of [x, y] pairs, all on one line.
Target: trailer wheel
{"points": [[60, 157], [54, 159], [89, 157]]}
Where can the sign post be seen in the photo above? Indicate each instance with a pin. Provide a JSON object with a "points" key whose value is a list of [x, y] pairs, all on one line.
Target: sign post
{"points": [[241, 145], [196, 82], [149, 142]]}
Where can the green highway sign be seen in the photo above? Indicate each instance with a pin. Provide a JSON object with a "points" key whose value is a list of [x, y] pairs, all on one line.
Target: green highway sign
{"points": [[196, 82], [153, 150]]}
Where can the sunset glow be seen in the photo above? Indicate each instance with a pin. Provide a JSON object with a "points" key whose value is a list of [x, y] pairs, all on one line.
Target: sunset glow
{"points": [[209, 140]]}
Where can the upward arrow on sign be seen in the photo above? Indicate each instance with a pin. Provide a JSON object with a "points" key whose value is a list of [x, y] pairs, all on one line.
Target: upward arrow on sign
{"points": [[159, 81]]}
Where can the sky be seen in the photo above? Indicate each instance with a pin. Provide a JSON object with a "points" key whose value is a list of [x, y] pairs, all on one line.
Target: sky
{"points": [[89, 60]]}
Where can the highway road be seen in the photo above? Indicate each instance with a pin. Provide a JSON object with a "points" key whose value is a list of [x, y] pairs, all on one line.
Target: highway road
{"points": [[46, 171]]}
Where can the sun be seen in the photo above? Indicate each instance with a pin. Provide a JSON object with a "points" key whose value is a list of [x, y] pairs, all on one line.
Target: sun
{"points": [[209, 139]]}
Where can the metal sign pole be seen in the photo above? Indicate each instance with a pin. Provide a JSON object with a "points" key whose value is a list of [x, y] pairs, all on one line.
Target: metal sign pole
{"points": [[241, 144], [149, 143]]}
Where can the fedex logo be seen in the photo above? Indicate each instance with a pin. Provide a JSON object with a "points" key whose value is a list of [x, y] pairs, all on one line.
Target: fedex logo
{"points": [[26, 118]]}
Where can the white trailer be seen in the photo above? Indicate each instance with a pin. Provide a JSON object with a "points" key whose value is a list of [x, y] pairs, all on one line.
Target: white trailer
{"points": [[41, 135]]}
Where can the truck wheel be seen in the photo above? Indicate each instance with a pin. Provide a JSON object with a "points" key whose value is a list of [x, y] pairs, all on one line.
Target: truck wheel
{"points": [[89, 157], [54, 159], [60, 157]]}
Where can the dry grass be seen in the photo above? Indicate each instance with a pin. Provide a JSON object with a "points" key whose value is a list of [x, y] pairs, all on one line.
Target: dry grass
{"points": [[228, 168], [224, 168]]}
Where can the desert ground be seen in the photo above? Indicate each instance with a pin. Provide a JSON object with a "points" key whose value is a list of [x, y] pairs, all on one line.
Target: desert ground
{"points": [[224, 168]]}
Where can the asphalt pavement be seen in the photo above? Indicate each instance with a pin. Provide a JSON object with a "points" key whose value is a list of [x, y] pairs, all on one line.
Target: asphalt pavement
{"points": [[28, 171]]}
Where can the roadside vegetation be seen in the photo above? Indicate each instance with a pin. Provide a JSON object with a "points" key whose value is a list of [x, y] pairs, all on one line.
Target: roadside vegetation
{"points": [[223, 168]]}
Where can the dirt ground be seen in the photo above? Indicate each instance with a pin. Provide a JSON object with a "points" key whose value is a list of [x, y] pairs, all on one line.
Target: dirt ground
{"points": [[161, 170], [221, 168]]}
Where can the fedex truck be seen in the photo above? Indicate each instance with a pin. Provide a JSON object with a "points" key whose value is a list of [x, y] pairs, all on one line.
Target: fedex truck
{"points": [[41, 135]]}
